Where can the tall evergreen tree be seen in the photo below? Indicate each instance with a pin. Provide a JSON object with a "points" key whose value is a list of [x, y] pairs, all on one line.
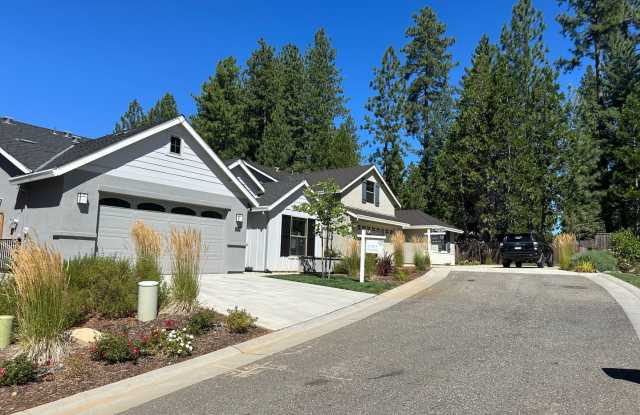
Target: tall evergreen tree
{"points": [[427, 67], [386, 120], [263, 91], [164, 109], [292, 74], [413, 186], [220, 111], [323, 104], [277, 144], [343, 149], [133, 118]]}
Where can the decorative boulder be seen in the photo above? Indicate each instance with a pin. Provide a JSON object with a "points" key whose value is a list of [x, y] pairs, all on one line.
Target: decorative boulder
{"points": [[85, 335]]}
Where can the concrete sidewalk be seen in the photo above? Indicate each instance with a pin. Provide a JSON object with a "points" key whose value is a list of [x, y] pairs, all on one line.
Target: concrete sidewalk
{"points": [[276, 303]]}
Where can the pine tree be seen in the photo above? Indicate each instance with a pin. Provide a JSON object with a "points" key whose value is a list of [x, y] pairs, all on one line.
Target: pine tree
{"points": [[343, 150], [263, 91], [292, 77], [277, 144], [323, 104], [386, 121], [427, 67], [413, 187], [220, 111], [133, 118], [164, 109]]}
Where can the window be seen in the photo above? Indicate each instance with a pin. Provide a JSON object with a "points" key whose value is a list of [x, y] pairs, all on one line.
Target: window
{"points": [[151, 206], [114, 201], [371, 192], [211, 214], [181, 210], [298, 236], [175, 145]]}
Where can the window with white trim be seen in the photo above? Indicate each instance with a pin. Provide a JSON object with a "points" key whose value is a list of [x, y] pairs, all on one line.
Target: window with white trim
{"points": [[370, 192], [297, 236]]}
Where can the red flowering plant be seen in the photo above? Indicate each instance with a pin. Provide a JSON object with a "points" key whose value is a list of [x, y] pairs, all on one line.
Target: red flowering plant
{"points": [[170, 324]]}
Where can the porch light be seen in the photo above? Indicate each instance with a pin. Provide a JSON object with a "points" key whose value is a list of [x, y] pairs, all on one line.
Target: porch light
{"points": [[239, 217], [83, 199]]}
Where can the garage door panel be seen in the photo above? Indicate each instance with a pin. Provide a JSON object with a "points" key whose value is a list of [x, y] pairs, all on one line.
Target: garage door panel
{"points": [[114, 237]]}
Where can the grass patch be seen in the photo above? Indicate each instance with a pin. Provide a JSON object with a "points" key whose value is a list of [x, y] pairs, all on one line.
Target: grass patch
{"points": [[633, 279], [342, 282]]}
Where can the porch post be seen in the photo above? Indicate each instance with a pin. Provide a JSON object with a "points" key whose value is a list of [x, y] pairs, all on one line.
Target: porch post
{"points": [[428, 239]]}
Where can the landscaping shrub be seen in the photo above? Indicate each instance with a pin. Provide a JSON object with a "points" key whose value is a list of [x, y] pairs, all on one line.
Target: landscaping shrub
{"points": [[41, 289], [177, 343], [397, 240], [202, 321], [148, 247], [100, 285], [350, 263], [17, 371], [115, 348], [185, 249], [626, 248], [401, 275], [384, 265], [566, 247], [239, 321], [602, 260], [421, 258], [585, 266]]}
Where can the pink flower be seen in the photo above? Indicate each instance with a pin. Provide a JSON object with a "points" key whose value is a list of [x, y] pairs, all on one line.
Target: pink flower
{"points": [[2, 371]]}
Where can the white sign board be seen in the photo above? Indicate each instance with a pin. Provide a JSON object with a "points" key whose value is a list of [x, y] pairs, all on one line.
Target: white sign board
{"points": [[374, 246]]}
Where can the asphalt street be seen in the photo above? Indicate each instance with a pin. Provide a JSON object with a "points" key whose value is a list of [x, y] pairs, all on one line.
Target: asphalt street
{"points": [[476, 343]]}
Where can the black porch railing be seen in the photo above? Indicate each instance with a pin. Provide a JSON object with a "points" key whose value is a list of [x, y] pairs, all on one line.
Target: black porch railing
{"points": [[6, 246]]}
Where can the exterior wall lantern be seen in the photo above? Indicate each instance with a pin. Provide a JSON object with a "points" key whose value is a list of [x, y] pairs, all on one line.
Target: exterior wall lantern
{"points": [[239, 218], [82, 198]]}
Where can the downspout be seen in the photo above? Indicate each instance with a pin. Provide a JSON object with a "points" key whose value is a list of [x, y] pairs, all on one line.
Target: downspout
{"points": [[265, 240]]}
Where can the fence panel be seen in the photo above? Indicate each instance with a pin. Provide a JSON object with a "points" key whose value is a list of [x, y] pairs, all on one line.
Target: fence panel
{"points": [[6, 245]]}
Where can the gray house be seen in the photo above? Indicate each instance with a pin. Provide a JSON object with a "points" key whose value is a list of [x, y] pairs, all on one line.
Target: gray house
{"points": [[82, 195]]}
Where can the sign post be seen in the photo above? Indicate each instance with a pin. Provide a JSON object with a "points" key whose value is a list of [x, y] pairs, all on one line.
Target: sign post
{"points": [[369, 244]]}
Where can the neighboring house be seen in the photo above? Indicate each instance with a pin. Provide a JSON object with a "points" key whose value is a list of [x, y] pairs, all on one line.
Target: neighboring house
{"points": [[82, 195], [277, 234]]}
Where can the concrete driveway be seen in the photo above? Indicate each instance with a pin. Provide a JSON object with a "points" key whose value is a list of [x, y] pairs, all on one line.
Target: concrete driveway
{"points": [[276, 303], [476, 343]]}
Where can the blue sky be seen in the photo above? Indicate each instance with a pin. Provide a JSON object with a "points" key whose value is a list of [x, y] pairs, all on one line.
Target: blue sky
{"points": [[75, 65]]}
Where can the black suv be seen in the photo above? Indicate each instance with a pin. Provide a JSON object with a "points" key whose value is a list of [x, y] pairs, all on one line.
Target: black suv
{"points": [[522, 247]]}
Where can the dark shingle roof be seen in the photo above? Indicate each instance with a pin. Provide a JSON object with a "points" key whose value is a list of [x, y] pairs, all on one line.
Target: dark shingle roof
{"points": [[373, 214], [41, 148], [417, 217], [32, 145]]}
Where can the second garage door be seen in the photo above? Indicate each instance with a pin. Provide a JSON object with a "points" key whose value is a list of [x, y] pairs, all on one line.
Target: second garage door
{"points": [[114, 234]]}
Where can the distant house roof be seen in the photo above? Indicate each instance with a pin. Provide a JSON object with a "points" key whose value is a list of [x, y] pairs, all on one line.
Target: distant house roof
{"points": [[417, 218]]}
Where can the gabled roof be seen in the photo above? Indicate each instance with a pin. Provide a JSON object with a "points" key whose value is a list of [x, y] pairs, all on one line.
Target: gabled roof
{"points": [[80, 151], [28, 146]]}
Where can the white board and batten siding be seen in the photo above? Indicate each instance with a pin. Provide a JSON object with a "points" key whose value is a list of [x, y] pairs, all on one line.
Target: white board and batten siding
{"points": [[156, 164], [259, 236]]}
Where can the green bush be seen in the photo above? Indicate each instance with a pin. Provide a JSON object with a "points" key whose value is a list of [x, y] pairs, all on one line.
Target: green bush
{"points": [[421, 260], [401, 275], [101, 285], [17, 371], [626, 248], [115, 348], [585, 266], [602, 260], [239, 321], [202, 321], [350, 265]]}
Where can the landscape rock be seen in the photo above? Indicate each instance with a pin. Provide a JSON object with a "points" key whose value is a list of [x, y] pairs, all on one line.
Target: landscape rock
{"points": [[85, 335]]}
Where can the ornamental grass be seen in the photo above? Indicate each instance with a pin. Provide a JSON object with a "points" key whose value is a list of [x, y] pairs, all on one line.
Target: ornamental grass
{"points": [[41, 288], [398, 240], [566, 246], [148, 247], [421, 258], [185, 250]]}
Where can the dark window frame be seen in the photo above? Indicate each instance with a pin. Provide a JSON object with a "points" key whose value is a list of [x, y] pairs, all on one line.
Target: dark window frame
{"points": [[370, 194], [151, 207], [175, 146], [183, 210], [114, 202], [212, 214], [304, 243]]}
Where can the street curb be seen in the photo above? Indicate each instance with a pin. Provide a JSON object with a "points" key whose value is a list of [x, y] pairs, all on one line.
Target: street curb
{"points": [[625, 294], [134, 391]]}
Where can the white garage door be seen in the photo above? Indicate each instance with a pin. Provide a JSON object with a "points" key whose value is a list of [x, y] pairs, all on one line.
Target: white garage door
{"points": [[114, 234]]}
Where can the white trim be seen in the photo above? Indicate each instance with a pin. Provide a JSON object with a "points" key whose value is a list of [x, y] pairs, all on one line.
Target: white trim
{"points": [[260, 171], [303, 183], [359, 216], [14, 161], [446, 228], [180, 120], [243, 166], [375, 169]]}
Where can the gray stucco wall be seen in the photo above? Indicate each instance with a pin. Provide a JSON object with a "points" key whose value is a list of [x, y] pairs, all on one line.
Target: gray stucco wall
{"points": [[8, 193], [49, 207]]}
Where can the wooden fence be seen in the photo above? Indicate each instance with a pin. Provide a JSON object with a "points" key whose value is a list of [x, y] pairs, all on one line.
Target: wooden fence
{"points": [[600, 241], [6, 245]]}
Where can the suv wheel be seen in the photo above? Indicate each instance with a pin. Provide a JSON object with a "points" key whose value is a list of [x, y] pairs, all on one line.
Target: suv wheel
{"points": [[540, 262], [506, 264], [518, 264]]}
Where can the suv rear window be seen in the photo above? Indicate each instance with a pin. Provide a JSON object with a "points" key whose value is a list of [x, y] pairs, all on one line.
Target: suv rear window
{"points": [[517, 238]]}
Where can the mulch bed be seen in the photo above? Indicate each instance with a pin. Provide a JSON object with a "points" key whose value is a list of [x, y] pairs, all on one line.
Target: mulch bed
{"points": [[79, 372], [412, 274]]}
